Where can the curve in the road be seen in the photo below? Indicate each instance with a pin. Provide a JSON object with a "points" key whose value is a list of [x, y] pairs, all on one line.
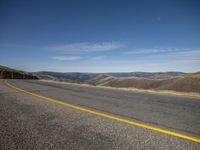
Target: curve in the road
{"points": [[106, 115]]}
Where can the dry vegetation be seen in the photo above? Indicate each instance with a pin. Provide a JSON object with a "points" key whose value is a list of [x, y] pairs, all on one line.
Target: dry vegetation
{"points": [[188, 83]]}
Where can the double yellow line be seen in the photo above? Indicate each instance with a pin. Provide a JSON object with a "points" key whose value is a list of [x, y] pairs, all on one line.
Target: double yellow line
{"points": [[194, 139]]}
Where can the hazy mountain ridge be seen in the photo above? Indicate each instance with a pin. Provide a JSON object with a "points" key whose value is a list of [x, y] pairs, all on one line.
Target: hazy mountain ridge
{"points": [[86, 76], [149, 75], [75, 76]]}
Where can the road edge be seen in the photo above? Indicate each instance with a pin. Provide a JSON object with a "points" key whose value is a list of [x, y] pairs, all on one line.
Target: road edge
{"points": [[190, 138]]}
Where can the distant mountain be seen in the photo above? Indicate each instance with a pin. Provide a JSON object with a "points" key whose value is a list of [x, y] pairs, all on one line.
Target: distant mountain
{"points": [[9, 73], [73, 76], [149, 75], [82, 77]]}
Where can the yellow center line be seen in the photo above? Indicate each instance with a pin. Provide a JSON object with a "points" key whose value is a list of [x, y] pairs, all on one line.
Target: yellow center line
{"points": [[194, 139]]}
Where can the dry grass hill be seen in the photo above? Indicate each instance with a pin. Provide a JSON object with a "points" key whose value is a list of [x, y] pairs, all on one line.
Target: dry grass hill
{"points": [[175, 81], [186, 83]]}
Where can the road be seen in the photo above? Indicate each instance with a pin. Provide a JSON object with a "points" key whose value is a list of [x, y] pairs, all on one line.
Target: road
{"points": [[32, 122]]}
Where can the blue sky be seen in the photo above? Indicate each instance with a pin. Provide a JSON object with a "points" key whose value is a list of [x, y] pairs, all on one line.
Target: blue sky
{"points": [[100, 35]]}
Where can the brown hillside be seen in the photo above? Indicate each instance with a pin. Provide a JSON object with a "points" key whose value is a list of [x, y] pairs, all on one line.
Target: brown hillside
{"points": [[189, 83]]}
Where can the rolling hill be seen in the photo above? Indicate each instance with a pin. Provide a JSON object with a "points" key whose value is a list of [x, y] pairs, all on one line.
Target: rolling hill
{"points": [[175, 81], [186, 83], [82, 77], [9, 73]]}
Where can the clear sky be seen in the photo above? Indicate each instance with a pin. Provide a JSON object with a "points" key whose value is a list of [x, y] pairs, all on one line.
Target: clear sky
{"points": [[100, 35]]}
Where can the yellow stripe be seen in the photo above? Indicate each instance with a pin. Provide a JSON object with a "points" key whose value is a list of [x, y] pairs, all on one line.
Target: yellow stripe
{"points": [[108, 116]]}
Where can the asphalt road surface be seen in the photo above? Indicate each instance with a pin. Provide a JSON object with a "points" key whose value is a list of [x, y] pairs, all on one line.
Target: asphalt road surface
{"points": [[30, 122]]}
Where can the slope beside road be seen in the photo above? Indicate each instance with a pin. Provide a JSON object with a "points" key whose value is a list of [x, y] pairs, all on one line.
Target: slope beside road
{"points": [[50, 125]]}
